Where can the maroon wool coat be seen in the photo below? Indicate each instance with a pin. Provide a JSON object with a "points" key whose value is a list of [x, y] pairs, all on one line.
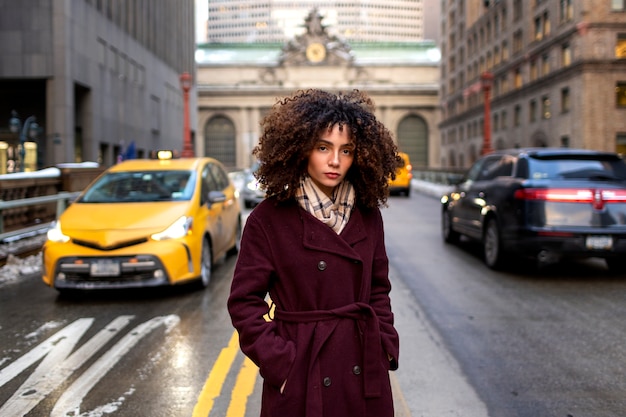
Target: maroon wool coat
{"points": [[332, 334]]}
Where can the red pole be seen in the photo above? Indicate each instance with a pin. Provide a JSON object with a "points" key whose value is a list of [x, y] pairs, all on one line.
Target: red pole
{"points": [[487, 79], [185, 83]]}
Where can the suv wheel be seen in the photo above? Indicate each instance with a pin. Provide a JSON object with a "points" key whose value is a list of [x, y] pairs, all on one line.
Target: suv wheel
{"points": [[492, 246], [616, 265], [449, 235]]}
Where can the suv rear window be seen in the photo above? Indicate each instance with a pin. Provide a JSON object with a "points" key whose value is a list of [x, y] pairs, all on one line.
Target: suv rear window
{"points": [[578, 167]]}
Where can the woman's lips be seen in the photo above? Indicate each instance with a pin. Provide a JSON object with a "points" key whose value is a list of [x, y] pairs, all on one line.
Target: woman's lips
{"points": [[332, 175]]}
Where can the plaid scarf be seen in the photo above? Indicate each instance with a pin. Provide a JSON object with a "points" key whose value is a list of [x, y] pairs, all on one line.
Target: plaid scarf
{"points": [[333, 211]]}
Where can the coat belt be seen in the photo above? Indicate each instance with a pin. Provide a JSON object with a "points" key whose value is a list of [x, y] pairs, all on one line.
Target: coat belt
{"points": [[372, 347]]}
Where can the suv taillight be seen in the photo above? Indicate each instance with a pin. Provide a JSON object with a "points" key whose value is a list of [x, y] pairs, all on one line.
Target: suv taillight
{"points": [[597, 197]]}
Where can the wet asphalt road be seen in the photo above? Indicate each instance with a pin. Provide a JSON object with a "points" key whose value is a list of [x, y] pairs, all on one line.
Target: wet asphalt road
{"points": [[473, 342]]}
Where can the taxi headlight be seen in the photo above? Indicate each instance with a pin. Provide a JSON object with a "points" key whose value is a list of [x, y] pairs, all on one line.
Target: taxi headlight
{"points": [[180, 228], [55, 234]]}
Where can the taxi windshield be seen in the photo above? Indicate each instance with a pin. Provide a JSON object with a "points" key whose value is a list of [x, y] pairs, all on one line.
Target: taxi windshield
{"points": [[141, 186]]}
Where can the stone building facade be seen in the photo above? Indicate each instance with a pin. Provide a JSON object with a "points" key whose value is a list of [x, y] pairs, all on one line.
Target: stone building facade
{"points": [[555, 69], [100, 77], [238, 83]]}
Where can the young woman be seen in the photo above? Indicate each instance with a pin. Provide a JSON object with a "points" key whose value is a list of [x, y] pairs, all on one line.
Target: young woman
{"points": [[315, 245]]}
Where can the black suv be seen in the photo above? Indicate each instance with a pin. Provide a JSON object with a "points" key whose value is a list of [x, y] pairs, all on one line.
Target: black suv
{"points": [[545, 203]]}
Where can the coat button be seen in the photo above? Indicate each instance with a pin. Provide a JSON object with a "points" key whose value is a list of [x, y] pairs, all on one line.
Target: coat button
{"points": [[321, 265], [327, 381], [356, 370]]}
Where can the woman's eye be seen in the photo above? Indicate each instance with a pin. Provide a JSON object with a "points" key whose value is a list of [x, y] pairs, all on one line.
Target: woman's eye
{"points": [[322, 147]]}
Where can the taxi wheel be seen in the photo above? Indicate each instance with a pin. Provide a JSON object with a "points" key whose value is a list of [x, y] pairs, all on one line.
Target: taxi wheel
{"points": [[206, 264]]}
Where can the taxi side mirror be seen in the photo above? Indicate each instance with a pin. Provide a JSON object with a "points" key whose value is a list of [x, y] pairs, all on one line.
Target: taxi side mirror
{"points": [[216, 197]]}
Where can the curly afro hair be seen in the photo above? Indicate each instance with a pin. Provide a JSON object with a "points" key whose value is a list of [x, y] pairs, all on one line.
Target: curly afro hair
{"points": [[294, 125]]}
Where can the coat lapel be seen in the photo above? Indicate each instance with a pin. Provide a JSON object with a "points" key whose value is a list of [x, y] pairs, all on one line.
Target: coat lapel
{"points": [[320, 237]]}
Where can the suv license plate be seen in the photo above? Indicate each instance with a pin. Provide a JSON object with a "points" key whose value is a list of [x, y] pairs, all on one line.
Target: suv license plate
{"points": [[102, 268], [599, 242]]}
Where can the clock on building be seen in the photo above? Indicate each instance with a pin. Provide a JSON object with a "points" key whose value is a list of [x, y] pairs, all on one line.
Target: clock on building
{"points": [[316, 52]]}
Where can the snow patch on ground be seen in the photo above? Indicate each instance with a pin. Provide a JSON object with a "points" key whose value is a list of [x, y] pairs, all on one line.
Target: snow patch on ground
{"points": [[16, 267]]}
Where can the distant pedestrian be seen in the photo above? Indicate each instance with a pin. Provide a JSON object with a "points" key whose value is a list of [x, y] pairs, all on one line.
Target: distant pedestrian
{"points": [[315, 245]]}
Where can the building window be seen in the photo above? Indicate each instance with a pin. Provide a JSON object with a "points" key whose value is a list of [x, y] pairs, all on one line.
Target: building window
{"points": [[566, 11], [620, 144], [620, 93], [220, 139], [496, 25], [618, 5], [566, 55], [518, 78], [505, 84], [545, 65], [532, 111], [564, 141], [545, 107], [518, 41], [546, 25], [538, 29], [620, 46], [517, 116], [533, 70], [413, 139], [503, 120], [155, 114], [565, 100], [517, 9], [505, 51]]}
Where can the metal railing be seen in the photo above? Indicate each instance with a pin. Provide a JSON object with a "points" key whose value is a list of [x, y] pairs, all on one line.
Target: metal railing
{"points": [[439, 176], [62, 199]]}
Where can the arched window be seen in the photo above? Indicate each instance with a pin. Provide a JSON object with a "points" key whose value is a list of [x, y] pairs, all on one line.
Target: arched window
{"points": [[220, 140], [413, 140]]}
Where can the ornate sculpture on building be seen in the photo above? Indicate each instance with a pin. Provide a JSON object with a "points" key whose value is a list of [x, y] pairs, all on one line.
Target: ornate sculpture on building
{"points": [[316, 46]]}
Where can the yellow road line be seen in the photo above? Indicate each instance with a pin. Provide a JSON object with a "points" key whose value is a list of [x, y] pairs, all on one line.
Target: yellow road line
{"points": [[213, 385], [399, 401], [243, 388]]}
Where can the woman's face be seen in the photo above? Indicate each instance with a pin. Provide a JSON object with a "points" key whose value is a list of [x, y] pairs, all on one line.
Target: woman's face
{"points": [[331, 159]]}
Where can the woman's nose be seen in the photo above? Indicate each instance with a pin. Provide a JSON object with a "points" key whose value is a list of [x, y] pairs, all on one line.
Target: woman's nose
{"points": [[334, 159]]}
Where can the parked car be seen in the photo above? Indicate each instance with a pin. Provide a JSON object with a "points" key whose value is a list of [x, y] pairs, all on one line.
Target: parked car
{"points": [[547, 203], [404, 175], [251, 192], [145, 223]]}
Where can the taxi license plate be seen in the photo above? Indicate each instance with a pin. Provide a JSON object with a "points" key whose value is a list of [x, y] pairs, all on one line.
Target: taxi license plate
{"points": [[105, 268], [599, 242]]}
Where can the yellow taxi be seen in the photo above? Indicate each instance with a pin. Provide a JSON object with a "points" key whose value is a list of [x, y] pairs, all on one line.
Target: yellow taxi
{"points": [[404, 174], [145, 223]]}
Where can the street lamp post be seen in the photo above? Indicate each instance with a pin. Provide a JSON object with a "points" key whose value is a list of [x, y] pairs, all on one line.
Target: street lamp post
{"points": [[487, 81], [28, 129], [185, 84]]}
